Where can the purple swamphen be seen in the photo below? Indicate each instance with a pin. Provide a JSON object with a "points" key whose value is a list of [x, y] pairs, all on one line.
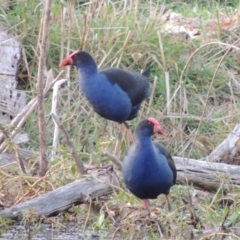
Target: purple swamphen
{"points": [[115, 94], [148, 168]]}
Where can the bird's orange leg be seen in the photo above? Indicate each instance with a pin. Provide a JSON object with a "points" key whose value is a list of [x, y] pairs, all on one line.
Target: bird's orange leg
{"points": [[130, 135], [120, 134], [169, 209], [129, 132], [146, 205], [118, 140]]}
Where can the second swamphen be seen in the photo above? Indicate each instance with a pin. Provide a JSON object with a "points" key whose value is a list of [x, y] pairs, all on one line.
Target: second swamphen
{"points": [[148, 168], [115, 94]]}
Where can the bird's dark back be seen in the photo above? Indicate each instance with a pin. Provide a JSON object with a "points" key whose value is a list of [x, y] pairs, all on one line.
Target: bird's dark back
{"points": [[136, 85], [163, 150]]}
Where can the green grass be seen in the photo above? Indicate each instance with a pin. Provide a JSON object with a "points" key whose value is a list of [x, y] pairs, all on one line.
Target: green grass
{"points": [[128, 35]]}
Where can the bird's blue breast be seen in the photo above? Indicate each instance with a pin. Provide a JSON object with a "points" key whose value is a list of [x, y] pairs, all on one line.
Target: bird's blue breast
{"points": [[147, 173], [107, 99]]}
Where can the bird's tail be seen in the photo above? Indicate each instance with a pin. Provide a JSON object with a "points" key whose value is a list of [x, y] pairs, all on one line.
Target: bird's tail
{"points": [[147, 72]]}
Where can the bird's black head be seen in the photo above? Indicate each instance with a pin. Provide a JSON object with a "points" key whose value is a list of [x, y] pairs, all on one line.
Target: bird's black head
{"points": [[150, 126], [80, 59]]}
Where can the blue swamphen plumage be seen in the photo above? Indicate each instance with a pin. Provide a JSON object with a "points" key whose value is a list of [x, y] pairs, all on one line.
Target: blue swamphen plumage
{"points": [[148, 168], [115, 94]]}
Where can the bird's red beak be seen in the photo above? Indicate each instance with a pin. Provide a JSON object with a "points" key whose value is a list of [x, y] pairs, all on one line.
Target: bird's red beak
{"points": [[159, 129], [66, 61]]}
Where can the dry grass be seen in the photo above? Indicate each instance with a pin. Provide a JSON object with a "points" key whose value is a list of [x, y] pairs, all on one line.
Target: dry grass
{"points": [[196, 96]]}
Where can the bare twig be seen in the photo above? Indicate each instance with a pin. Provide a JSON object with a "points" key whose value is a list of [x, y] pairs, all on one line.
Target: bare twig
{"points": [[167, 80], [195, 219], [72, 149], [54, 110], [114, 159], [40, 92], [196, 143], [85, 31], [152, 95], [4, 131], [19, 160], [22, 116], [124, 47], [63, 16]]}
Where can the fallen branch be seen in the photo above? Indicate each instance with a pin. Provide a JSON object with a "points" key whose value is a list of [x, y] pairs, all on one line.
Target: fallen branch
{"points": [[202, 174], [117, 163], [229, 150], [24, 114], [55, 111], [205, 175], [208, 176], [61, 199]]}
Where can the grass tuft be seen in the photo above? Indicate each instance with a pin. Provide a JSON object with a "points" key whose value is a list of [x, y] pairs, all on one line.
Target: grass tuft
{"points": [[196, 96]]}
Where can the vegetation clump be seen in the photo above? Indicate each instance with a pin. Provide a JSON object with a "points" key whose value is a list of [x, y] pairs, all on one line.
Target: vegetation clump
{"points": [[195, 96]]}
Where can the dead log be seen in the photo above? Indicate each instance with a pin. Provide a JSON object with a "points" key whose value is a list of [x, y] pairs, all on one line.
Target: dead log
{"points": [[23, 115], [202, 174], [213, 171], [205, 175], [229, 150], [60, 199], [11, 99]]}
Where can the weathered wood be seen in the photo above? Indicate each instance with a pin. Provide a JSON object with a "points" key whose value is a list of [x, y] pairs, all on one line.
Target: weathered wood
{"points": [[207, 175], [202, 174], [55, 98], [60, 199], [43, 160], [11, 100], [117, 163], [9, 161], [229, 150], [23, 115]]}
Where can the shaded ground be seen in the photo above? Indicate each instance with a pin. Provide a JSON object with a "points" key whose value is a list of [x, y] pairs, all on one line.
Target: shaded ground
{"points": [[46, 231]]}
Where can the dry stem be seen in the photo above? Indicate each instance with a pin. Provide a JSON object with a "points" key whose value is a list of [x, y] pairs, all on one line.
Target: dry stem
{"points": [[40, 92]]}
